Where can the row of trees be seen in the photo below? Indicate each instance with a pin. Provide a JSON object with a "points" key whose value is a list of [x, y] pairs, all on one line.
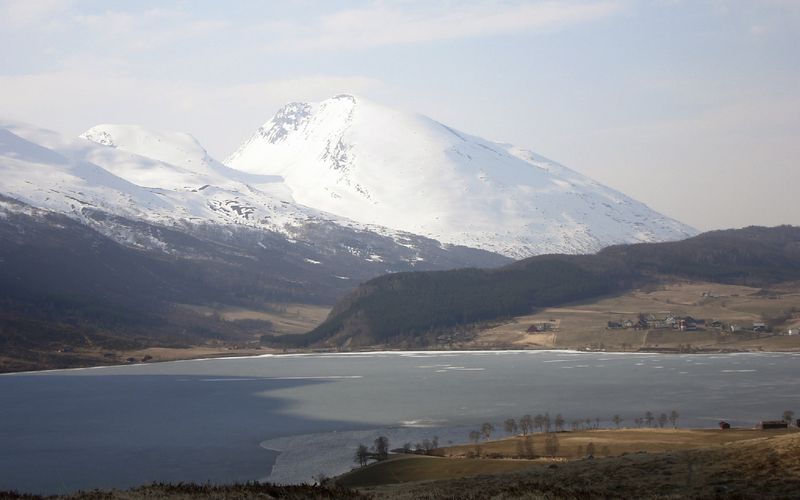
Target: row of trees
{"points": [[649, 419], [544, 423], [379, 451], [527, 424]]}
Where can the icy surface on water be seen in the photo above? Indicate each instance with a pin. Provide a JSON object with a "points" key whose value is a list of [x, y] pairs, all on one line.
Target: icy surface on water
{"points": [[303, 458], [289, 418]]}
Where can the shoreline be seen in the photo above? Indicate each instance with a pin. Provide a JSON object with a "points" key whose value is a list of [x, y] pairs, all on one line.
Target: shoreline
{"points": [[666, 351]]}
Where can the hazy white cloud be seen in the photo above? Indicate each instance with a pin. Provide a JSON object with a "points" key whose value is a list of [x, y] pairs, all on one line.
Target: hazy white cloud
{"points": [[20, 13], [384, 23], [732, 162], [148, 29]]}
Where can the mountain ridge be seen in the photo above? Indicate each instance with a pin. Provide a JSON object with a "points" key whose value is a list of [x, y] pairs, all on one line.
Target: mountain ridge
{"points": [[378, 165]]}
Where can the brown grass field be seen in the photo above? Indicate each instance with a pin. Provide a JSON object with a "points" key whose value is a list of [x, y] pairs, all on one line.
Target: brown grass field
{"points": [[285, 318], [584, 325], [742, 463], [608, 442]]}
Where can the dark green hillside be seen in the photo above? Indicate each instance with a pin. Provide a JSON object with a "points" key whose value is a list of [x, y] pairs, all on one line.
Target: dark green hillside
{"points": [[753, 256], [410, 308]]}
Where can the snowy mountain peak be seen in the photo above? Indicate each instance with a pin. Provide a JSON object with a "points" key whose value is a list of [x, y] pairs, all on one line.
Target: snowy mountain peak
{"points": [[177, 148], [371, 163], [171, 160]]}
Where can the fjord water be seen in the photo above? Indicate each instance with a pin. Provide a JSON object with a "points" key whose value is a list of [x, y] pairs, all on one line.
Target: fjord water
{"points": [[288, 418]]}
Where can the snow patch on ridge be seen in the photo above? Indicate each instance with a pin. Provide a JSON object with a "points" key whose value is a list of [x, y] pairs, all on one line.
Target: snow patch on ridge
{"points": [[380, 166]]}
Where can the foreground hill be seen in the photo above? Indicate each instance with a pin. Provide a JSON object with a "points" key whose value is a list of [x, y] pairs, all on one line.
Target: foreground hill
{"points": [[714, 466], [412, 308], [763, 467]]}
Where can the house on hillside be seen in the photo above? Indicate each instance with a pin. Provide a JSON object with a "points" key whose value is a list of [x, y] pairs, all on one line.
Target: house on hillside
{"points": [[772, 424], [652, 322], [622, 323], [687, 324], [542, 326], [724, 425], [759, 327]]}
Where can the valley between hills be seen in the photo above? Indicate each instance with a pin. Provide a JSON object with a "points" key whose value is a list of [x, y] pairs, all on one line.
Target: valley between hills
{"points": [[582, 326]]}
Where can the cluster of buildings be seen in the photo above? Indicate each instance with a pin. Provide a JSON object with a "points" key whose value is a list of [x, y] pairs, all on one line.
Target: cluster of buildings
{"points": [[689, 324], [653, 322]]}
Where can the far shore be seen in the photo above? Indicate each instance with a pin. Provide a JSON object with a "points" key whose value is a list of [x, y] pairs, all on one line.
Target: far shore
{"points": [[166, 355]]}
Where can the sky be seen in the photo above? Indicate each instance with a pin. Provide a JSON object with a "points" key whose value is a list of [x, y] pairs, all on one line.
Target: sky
{"points": [[692, 107]]}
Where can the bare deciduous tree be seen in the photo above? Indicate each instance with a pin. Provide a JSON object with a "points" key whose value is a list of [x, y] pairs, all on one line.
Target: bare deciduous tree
{"points": [[673, 419], [381, 447], [617, 420], [526, 424], [475, 436], [788, 415], [559, 422], [427, 446], [486, 430], [648, 418], [362, 455], [510, 426], [538, 422]]}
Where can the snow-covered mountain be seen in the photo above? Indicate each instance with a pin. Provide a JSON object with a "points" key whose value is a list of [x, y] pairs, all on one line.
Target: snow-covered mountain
{"points": [[141, 188], [405, 171], [177, 161]]}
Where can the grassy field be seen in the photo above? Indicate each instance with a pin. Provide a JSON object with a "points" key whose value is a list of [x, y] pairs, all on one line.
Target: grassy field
{"points": [[285, 318], [409, 468], [608, 442], [584, 325], [682, 464]]}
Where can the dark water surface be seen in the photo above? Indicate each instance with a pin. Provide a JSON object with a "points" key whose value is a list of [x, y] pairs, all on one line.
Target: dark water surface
{"points": [[221, 420]]}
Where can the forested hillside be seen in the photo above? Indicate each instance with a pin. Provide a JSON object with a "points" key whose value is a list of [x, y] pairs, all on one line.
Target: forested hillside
{"points": [[410, 308]]}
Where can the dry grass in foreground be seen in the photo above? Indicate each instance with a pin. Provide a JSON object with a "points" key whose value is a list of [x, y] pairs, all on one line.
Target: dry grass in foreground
{"points": [[762, 467], [189, 491], [608, 442]]}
